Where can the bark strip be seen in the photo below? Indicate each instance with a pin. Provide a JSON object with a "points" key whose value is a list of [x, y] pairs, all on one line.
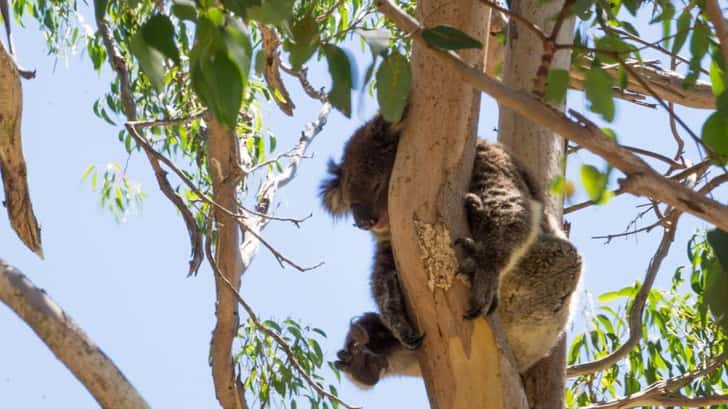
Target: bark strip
{"points": [[12, 161]]}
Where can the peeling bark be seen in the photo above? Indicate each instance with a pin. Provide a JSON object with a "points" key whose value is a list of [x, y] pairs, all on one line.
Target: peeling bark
{"points": [[88, 363], [462, 361], [12, 162]]}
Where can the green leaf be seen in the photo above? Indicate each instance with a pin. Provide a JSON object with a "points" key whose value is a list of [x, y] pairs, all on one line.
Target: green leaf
{"points": [[272, 12], [699, 42], [683, 29], [340, 68], [305, 41], [557, 82], [717, 78], [184, 10], [715, 133], [218, 81], [239, 48], [721, 102], [87, 172], [595, 183], [612, 44], [99, 9], [449, 38], [150, 60], [394, 79], [718, 240], [716, 286], [598, 88], [378, 39], [158, 33], [626, 292]]}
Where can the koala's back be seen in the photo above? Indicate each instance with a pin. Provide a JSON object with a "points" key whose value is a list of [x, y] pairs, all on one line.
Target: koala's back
{"points": [[536, 294]]}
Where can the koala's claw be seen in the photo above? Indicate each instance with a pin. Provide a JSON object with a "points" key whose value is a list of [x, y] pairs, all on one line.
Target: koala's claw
{"points": [[468, 244], [473, 201], [478, 308], [412, 342]]}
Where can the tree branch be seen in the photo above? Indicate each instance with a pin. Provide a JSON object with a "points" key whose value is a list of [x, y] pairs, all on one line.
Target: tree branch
{"points": [[274, 336], [118, 64], [55, 327], [274, 182], [665, 393], [12, 161], [712, 8], [637, 309], [224, 169], [641, 178]]}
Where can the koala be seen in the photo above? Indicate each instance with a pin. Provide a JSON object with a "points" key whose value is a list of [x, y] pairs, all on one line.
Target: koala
{"points": [[371, 351], [518, 260]]}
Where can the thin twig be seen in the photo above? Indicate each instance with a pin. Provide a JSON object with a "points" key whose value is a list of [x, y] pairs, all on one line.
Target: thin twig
{"points": [[329, 11], [665, 393], [655, 155], [635, 312], [239, 218], [301, 74], [118, 64], [272, 334], [523, 20], [167, 122]]}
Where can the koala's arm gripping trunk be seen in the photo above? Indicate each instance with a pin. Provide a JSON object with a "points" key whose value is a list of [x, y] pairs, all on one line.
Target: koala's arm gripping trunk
{"points": [[462, 363]]}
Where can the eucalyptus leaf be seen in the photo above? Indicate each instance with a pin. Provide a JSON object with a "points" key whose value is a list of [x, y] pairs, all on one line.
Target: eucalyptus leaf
{"points": [[394, 79], [449, 38]]}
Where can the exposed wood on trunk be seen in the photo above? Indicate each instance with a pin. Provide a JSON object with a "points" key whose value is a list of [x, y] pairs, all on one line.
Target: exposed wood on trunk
{"points": [[462, 362], [224, 167], [88, 363], [542, 152], [12, 163]]}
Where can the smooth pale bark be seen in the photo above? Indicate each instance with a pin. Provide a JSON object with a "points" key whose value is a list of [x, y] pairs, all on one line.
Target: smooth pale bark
{"points": [[542, 152], [224, 168], [55, 327], [462, 361]]}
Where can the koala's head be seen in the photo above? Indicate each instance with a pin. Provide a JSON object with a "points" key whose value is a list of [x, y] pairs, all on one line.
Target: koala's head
{"points": [[360, 183], [364, 357]]}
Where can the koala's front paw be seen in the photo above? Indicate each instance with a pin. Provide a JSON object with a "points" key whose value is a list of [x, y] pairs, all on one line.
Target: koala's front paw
{"points": [[412, 341], [483, 295], [467, 263], [344, 360], [473, 202]]}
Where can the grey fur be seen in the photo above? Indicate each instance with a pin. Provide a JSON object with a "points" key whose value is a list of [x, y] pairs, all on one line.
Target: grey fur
{"points": [[518, 260]]}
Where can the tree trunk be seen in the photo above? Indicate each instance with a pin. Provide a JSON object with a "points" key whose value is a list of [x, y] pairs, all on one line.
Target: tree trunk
{"points": [[224, 162], [542, 152], [462, 361]]}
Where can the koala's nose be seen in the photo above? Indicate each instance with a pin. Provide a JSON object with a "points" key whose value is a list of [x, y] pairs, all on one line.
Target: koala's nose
{"points": [[363, 217]]}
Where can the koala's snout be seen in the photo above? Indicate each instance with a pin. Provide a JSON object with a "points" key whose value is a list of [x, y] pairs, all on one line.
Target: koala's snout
{"points": [[364, 218]]}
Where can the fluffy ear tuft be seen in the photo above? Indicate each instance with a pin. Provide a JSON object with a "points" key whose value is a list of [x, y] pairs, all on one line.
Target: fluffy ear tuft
{"points": [[331, 194]]}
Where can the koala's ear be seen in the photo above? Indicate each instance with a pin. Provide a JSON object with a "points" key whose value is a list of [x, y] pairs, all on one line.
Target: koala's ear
{"points": [[359, 334], [331, 191]]}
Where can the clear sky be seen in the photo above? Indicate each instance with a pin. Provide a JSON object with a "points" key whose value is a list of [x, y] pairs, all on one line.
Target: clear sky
{"points": [[124, 283]]}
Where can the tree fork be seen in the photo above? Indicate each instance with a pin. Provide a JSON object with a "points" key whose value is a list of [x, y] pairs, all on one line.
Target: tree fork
{"points": [[540, 150], [463, 362]]}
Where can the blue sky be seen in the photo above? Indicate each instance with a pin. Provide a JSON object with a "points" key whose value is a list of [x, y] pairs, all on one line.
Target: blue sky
{"points": [[124, 283]]}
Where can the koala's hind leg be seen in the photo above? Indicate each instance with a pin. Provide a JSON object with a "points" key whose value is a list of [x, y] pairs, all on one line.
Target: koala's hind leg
{"points": [[537, 298], [390, 299]]}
